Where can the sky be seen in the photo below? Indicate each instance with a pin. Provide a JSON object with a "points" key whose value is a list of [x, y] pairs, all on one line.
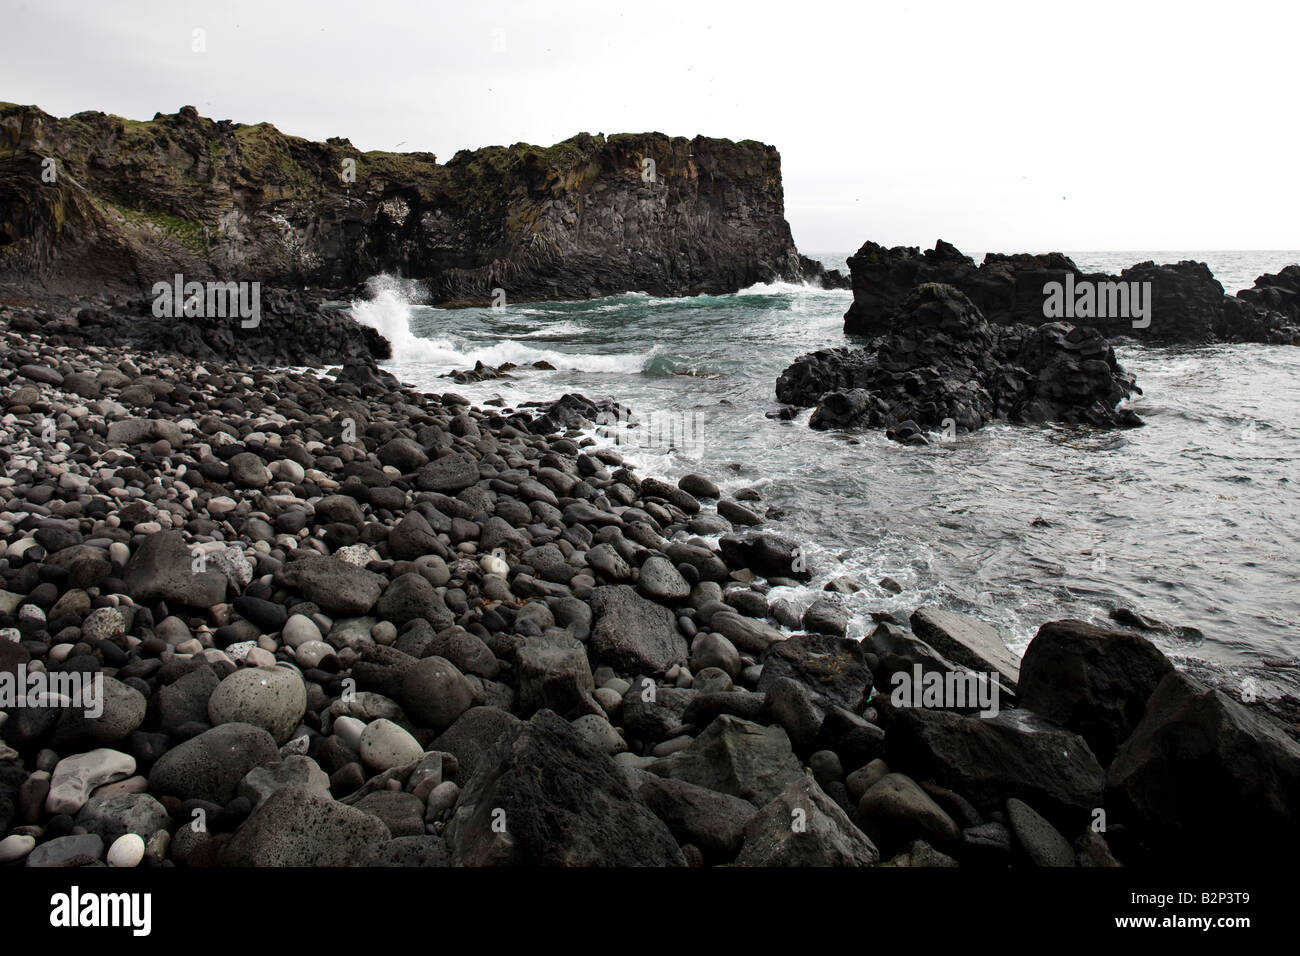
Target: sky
{"points": [[994, 125]]}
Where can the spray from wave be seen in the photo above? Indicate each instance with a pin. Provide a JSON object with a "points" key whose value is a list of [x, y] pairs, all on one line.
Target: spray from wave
{"points": [[391, 309]]}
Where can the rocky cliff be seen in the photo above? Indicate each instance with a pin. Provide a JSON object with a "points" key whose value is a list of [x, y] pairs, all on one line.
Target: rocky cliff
{"points": [[95, 201]]}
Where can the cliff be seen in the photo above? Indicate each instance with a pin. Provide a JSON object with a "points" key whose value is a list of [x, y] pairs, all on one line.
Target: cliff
{"points": [[95, 201]]}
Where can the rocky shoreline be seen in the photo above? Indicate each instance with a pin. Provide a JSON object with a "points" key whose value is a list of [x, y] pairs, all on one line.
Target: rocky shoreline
{"points": [[341, 622]]}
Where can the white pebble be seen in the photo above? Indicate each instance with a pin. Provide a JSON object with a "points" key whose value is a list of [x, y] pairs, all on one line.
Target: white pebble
{"points": [[127, 850]]}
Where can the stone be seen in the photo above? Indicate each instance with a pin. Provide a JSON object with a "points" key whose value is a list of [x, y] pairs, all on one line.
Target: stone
{"points": [[114, 814], [249, 471], [1091, 680], [296, 826], [296, 770], [1039, 840], [600, 733], [833, 667], [895, 811], [411, 597], [802, 826], [402, 813], [558, 801], [126, 851], [713, 821], [333, 585], [162, 567], [738, 757], [435, 693], [826, 616], [634, 635], [1198, 755], [750, 636], [274, 699], [15, 847], [554, 674], [121, 711], [966, 641], [448, 474], [76, 776], [473, 735], [384, 745], [660, 581], [710, 649], [78, 850], [211, 765], [986, 760]]}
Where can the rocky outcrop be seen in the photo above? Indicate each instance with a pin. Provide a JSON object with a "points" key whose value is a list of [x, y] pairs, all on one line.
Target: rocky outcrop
{"points": [[1183, 302], [1279, 293], [96, 200], [947, 368]]}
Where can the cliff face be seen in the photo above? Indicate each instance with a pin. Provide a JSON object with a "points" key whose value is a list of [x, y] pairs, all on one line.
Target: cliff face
{"points": [[131, 203]]}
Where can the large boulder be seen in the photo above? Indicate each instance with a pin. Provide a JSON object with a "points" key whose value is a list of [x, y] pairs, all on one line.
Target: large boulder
{"points": [[833, 667], [802, 826], [297, 826], [1091, 680], [966, 641], [634, 635], [1206, 778], [738, 757], [211, 765], [332, 584], [163, 567], [715, 822], [547, 797], [987, 760]]}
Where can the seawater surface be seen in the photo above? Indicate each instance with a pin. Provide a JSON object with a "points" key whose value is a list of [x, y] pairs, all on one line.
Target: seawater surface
{"points": [[1193, 519]]}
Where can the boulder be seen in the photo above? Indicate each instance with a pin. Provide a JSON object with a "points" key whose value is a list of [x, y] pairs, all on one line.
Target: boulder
{"points": [[833, 667], [1205, 777], [546, 797], [802, 826], [632, 634], [987, 760], [738, 757], [1091, 680], [163, 567], [297, 826]]}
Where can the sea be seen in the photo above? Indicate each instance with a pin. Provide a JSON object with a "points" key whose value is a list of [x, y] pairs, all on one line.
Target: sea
{"points": [[1192, 520]]}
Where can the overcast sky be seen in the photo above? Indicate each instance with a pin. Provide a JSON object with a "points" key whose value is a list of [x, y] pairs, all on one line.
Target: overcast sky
{"points": [[995, 125]]}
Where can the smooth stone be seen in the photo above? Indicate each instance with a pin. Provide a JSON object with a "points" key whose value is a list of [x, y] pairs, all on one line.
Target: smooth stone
{"points": [[126, 851], [75, 777], [274, 700], [385, 745]]}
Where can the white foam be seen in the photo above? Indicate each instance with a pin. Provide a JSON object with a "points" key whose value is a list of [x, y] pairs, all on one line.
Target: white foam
{"points": [[389, 311]]}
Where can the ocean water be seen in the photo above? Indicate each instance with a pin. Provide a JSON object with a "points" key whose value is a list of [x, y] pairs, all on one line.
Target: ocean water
{"points": [[1193, 519]]}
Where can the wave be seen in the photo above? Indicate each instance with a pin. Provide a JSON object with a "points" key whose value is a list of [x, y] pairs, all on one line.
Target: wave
{"points": [[791, 288], [390, 311]]}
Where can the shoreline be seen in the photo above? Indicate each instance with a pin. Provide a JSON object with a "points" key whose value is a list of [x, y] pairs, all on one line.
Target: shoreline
{"points": [[503, 594]]}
